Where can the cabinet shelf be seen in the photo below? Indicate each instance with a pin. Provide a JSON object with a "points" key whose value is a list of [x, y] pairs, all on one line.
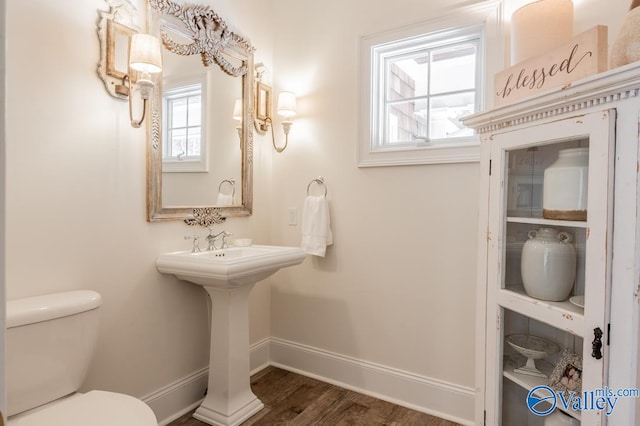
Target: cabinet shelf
{"points": [[547, 222], [562, 315], [530, 382]]}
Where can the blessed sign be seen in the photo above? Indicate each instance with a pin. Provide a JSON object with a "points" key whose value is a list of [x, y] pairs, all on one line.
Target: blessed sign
{"points": [[583, 56]]}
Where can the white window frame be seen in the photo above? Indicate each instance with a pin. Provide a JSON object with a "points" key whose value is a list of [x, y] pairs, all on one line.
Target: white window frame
{"points": [[190, 165], [484, 18]]}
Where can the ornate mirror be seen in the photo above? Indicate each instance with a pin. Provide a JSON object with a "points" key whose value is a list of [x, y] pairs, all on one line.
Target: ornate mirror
{"points": [[200, 148]]}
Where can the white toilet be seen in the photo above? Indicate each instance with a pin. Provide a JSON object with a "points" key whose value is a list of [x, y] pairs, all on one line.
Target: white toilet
{"points": [[50, 342]]}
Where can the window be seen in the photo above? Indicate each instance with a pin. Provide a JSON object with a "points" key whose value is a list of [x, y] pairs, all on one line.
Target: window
{"points": [[416, 84], [184, 147], [424, 90]]}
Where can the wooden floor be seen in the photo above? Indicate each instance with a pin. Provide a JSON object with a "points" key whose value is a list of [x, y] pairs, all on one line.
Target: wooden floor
{"points": [[292, 399]]}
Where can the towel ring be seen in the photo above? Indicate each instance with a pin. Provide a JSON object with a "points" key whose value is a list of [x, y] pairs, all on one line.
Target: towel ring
{"points": [[320, 181], [231, 182]]}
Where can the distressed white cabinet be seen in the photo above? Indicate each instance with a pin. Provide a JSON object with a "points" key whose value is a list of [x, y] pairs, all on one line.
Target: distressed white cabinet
{"points": [[600, 338]]}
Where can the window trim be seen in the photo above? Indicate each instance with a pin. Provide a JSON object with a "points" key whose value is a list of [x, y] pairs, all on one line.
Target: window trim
{"points": [[186, 166], [484, 18]]}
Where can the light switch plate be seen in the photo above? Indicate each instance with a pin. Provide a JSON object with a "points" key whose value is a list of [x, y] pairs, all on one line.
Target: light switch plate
{"points": [[293, 216]]}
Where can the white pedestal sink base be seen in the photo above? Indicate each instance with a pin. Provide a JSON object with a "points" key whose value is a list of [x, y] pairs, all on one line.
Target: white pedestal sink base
{"points": [[229, 399], [205, 414], [228, 275]]}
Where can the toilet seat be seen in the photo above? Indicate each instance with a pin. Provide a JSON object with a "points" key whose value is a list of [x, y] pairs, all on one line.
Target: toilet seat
{"points": [[95, 408]]}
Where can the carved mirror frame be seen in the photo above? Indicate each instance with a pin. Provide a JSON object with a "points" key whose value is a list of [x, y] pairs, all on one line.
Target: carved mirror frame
{"points": [[214, 41]]}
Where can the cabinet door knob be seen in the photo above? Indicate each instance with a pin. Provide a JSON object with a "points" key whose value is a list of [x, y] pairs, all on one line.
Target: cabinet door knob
{"points": [[596, 345]]}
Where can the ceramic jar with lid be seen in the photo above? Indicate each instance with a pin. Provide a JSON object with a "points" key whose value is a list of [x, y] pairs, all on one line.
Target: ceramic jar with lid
{"points": [[548, 265], [565, 186]]}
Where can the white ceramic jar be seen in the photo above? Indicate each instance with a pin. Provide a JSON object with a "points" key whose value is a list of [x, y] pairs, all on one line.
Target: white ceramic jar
{"points": [[565, 186], [548, 265]]}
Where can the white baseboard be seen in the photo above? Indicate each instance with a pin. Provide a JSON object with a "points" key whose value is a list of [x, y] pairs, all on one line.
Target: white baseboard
{"points": [[260, 355], [179, 397], [435, 397]]}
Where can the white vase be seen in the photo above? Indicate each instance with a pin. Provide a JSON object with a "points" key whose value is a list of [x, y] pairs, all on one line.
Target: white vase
{"points": [[626, 47], [548, 265], [565, 185]]}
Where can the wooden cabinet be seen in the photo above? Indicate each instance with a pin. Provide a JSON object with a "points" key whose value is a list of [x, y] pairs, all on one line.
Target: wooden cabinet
{"points": [[522, 155], [593, 330]]}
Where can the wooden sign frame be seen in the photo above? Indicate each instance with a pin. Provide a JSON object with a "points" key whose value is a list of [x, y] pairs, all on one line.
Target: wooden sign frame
{"points": [[584, 55]]}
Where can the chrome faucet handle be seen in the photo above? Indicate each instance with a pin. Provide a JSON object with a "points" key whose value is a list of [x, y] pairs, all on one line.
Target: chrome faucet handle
{"points": [[211, 240], [225, 235], [195, 238]]}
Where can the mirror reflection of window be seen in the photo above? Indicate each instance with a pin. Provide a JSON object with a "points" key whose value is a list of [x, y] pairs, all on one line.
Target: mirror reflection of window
{"points": [[183, 133], [184, 106]]}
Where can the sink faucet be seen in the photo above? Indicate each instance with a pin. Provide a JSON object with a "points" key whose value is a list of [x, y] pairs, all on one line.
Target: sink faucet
{"points": [[196, 247], [212, 238]]}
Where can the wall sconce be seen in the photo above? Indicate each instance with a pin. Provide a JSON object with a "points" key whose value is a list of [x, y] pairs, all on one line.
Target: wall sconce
{"points": [[237, 110], [144, 57], [237, 115], [286, 108]]}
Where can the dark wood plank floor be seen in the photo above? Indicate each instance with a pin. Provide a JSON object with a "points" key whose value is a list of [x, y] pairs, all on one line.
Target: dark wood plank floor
{"points": [[292, 399]]}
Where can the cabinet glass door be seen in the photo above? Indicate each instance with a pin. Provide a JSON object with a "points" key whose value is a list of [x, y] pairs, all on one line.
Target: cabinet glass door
{"points": [[548, 273]]}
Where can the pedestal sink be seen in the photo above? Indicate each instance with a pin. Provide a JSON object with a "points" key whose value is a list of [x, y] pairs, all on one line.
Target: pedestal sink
{"points": [[228, 275]]}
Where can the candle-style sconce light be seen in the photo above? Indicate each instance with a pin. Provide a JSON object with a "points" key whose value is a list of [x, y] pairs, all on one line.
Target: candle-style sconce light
{"points": [[286, 108], [145, 57], [129, 59]]}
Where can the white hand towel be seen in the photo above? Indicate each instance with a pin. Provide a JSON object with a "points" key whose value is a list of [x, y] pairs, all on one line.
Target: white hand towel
{"points": [[316, 226], [224, 199]]}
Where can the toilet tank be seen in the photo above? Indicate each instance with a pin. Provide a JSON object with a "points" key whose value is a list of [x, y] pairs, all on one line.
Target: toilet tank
{"points": [[50, 342]]}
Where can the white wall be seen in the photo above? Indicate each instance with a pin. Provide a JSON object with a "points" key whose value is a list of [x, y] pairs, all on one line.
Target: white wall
{"points": [[76, 200], [397, 288]]}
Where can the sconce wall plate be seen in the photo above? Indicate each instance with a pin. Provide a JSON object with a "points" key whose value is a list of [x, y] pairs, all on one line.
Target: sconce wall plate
{"points": [[115, 29], [263, 107], [127, 56]]}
